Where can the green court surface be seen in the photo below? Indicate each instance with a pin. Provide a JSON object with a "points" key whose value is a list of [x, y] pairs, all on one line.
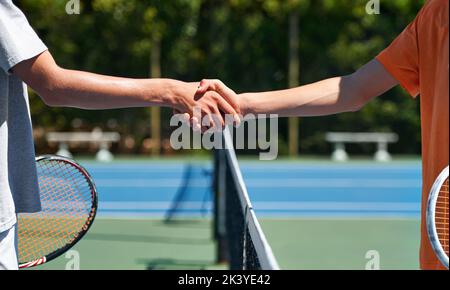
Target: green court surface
{"points": [[343, 244], [297, 244]]}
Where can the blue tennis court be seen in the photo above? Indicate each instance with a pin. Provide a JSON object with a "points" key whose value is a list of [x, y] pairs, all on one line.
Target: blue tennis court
{"points": [[277, 189]]}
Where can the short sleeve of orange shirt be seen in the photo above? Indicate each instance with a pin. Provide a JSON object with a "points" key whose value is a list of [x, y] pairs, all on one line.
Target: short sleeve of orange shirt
{"points": [[418, 59]]}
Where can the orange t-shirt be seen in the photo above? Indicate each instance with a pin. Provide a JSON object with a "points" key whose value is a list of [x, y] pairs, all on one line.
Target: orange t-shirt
{"points": [[418, 59]]}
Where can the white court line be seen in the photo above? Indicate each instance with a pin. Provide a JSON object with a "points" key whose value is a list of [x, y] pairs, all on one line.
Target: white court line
{"points": [[334, 182], [260, 206], [249, 167], [150, 183], [265, 183], [176, 169], [331, 166]]}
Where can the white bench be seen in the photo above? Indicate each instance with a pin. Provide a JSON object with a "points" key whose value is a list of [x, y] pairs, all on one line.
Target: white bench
{"points": [[103, 139], [340, 138]]}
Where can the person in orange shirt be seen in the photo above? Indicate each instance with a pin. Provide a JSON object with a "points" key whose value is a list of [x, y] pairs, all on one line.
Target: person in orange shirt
{"points": [[418, 61]]}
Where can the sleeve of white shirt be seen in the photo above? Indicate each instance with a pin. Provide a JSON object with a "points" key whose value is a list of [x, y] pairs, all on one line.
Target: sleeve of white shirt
{"points": [[18, 40]]}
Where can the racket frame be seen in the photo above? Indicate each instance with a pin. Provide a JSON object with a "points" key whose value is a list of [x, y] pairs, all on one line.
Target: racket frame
{"points": [[87, 225], [431, 217]]}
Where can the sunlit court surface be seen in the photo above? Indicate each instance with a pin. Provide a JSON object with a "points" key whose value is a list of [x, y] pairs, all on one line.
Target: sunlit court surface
{"points": [[365, 215]]}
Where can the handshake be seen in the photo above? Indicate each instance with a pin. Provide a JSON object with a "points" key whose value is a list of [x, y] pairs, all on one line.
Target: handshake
{"points": [[211, 107]]}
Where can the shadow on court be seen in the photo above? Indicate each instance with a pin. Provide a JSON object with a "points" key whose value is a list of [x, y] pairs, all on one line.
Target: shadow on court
{"points": [[147, 239], [143, 245], [180, 223], [298, 244], [173, 264]]}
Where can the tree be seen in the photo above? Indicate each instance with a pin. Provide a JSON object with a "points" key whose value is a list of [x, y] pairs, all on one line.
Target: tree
{"points": [[245, 43]]}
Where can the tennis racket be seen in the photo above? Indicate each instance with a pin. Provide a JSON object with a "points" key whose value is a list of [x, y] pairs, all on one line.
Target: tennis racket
{"points": [[438, 217], [69, 204]]}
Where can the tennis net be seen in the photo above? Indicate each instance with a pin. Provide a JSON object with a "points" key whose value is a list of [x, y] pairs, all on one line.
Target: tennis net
{"points": [[241, 242]]}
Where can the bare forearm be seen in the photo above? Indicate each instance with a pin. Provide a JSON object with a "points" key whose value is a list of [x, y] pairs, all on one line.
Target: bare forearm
{"points": [[71, 88], [330, 96], [91, 91], [321, 98]]}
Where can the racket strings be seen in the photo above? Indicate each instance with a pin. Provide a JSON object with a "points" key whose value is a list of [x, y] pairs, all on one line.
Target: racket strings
{"points": [[442, 216], [66, 198]]}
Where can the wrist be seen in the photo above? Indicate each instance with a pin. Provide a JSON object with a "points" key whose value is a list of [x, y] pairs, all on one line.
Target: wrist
{"points": [[171, 92], [246, 103], [179, 94]]}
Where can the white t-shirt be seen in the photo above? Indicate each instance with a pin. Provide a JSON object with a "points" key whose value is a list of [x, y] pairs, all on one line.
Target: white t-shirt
{"points": [[18, 180]]}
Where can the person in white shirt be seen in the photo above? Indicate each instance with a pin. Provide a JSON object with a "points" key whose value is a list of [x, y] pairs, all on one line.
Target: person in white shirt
{"points": [[25, 60]]}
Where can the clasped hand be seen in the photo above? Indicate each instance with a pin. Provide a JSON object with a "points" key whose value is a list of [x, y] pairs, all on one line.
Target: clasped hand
{"points": [[213, 106]]}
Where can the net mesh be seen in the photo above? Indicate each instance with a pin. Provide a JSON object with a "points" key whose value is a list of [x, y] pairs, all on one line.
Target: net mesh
{"points": [[442, 216], [242, 243], [66, 208]]}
